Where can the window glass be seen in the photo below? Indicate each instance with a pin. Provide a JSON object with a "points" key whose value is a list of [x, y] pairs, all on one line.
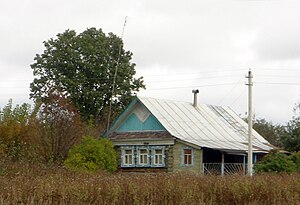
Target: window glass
{"points": [[158, 156], [187, 151], [187, 156], [128, 157], [143, 159], [135, 156], [158, 151]]}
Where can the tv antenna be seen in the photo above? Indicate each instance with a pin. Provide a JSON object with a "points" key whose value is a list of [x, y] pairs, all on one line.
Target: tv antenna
{"points": [[115, 76]]}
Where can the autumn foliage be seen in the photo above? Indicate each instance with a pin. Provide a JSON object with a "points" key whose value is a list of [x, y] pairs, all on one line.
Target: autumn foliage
{"points": [[44, 133]]}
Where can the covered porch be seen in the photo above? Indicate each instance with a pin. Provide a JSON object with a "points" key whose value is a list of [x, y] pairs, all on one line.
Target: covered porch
{"points": [[226, 162]]}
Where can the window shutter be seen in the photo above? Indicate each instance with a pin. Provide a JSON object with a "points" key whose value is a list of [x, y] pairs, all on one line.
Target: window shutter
{"points": [[163, 157], [182, 156], [138, 157], [122, 156], [192, 157]]}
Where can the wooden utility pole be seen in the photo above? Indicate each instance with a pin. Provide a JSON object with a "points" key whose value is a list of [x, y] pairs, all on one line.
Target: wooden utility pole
{"points": [[250, 153]]}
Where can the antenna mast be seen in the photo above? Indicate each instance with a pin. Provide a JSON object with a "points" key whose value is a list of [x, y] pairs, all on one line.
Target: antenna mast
{"points": [[115, 76]]}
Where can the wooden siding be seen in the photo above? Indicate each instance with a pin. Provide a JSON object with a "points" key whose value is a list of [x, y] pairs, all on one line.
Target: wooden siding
{"points": [[132, 123], [168, 162], [170, 158], [177, 157], [173, 161]]}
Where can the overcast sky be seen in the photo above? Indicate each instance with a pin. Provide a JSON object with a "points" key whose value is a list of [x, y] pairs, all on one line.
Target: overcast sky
{"points": [[177, 46]]}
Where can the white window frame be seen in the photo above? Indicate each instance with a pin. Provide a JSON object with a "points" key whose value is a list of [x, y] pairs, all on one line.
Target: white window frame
{"points": [[124, 155], [139, 155], [183, 156], [154, 154]]}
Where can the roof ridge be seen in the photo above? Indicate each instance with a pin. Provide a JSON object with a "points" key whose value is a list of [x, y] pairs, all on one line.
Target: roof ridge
{"points": [[176, 101]]}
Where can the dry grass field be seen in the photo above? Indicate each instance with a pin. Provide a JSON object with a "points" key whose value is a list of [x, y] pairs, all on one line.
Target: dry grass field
{"points": [[39, 184]]}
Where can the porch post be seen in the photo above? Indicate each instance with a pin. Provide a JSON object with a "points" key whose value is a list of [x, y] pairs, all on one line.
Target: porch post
{"points": [[244, 164], [255, 158], [222, 166]]}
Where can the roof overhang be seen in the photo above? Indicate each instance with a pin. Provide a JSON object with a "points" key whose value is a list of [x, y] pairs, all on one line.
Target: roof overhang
{"points": [[143, 141]]}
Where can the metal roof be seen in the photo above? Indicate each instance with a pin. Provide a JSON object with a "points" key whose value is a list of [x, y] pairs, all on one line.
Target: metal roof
{"points": [[208, 126]]}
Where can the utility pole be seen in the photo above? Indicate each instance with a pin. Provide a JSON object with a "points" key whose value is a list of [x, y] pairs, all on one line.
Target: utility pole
{"points": [[250, 153]]}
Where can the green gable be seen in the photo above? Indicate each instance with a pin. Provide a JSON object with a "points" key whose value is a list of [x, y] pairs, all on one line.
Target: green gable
{"points": [[133, 123]]}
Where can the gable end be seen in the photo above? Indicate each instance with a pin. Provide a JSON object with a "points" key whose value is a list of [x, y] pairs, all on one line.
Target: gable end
{"points": [[134, 123]]}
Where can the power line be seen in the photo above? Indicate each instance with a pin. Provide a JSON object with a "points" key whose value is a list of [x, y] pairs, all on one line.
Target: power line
{"points": [[208, 85], [200, 72], [154, 81], [231, 90], [277, 83], [278, 76], [175, 80], [238, 97], [193, 73]]}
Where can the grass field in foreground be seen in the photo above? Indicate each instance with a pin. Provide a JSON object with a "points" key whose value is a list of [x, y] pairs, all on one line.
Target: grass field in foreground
{"points": [[38, 184]]}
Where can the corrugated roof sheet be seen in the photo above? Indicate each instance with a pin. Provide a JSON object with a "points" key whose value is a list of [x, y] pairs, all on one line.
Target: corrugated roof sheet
{"points": [[209, 126]]}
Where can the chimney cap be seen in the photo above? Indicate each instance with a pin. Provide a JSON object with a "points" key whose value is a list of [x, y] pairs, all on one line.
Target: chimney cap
{"points": [[195, 91]]}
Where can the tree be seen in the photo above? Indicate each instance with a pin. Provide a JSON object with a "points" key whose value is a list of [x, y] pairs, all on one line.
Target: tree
{"points": [[291, 140], [92, 155], [295, 157], [271, 132], [14, 129], [82, 66], [276, 162], [59, 126]]}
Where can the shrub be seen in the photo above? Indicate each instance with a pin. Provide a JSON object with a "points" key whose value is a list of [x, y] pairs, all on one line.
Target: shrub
{"points": [[295, 157], [276, 162], [92, 155]]}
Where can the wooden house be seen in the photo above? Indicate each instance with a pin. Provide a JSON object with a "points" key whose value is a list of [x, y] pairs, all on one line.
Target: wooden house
{"points": [[158, 135]]}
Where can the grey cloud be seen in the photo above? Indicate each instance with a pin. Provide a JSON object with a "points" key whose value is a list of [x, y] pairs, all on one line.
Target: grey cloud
{"points": [[279, 45], [166, 37]]}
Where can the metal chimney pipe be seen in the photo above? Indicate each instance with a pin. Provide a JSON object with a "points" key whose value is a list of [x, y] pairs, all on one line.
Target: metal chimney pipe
{"points": [[195, 97]]}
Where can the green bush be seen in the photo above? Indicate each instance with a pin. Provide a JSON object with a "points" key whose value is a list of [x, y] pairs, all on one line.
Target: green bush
{"points": [[295, 157], [276, 162], [92, 155]]}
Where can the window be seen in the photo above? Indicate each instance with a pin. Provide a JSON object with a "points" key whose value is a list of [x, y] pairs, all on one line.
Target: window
{"points": [[143, 156], [187, 156], [158, 156], [128, 156]]}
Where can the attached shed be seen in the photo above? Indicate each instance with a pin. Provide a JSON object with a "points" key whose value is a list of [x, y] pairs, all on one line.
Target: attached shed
{"points": [[158, 135]]}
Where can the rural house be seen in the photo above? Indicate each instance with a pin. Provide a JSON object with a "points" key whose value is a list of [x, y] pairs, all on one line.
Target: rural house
{"points": [[158, 135]]}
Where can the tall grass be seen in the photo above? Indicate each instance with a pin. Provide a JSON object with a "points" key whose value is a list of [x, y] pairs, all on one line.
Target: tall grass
{"points": [[33, 184]]}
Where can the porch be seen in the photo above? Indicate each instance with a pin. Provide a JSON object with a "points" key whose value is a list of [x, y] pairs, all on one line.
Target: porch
{"points": [[224, 168], [218, 162]]}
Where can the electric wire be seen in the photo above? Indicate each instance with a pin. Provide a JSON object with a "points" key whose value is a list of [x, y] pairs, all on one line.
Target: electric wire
{"points": [[192, 86], [238, 97], [230, 91], [191, 73], [276, 83]]}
